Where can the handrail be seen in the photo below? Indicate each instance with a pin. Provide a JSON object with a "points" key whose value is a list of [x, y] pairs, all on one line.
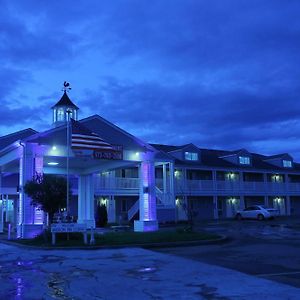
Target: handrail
{"points": [[133, 210]]}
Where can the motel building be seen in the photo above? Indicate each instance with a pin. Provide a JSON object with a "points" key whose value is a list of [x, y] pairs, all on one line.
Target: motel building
{"points": [[140, 183]]}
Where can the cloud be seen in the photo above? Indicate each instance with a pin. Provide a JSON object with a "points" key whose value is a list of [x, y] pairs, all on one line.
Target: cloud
{"points": [[184, 114], [217, 74]]}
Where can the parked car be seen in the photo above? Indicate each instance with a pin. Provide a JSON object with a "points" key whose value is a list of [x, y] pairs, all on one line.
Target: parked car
{"points": [[258, 212]]}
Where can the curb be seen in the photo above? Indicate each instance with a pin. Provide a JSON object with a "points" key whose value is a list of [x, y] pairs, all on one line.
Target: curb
{"points": [[222, 239]]}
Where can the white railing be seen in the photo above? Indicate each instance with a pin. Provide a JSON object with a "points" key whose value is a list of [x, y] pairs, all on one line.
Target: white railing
{"points": [[183, 186], [164, 198], [133, 210], [233, 186], [107, 183]]}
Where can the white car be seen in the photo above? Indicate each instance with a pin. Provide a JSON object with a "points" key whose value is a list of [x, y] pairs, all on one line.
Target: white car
{"points": [[258, 212]]}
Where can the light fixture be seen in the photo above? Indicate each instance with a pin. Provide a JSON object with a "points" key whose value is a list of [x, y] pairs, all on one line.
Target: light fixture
{"points": [[52, 163], [54, 148]]}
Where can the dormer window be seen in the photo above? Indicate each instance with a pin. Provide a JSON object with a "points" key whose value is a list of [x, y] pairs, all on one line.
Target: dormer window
{"points": [[244, 160], [191, 155], [287, 163]]}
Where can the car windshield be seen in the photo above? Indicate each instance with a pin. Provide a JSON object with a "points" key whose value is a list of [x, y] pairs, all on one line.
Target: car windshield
{"points": [[263, 206]]}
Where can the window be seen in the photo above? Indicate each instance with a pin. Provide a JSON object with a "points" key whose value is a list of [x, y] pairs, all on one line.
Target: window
{"points": [[191, 155], [244, 160], [60, 114], [287, 163]]}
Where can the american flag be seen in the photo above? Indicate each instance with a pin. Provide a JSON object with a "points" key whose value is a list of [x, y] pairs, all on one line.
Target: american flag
{"points": [[84, 139]]}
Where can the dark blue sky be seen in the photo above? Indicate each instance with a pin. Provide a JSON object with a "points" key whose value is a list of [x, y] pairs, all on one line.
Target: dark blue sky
{"points": [[218, 73]]}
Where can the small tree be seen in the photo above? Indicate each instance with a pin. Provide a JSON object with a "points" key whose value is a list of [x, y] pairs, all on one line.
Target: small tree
{"points": [[49, 192]]}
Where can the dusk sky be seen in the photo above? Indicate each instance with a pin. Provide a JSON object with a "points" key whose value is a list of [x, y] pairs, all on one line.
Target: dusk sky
{"points": [[222, 74]]}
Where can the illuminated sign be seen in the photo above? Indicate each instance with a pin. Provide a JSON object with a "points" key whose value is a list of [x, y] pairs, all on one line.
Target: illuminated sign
{"points": [[115, 154]]}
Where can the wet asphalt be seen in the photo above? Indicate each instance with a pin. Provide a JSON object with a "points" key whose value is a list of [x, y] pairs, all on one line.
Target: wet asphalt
{"points": [[266, 249]]}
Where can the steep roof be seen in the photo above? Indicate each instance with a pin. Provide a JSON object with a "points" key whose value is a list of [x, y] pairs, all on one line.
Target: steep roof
{"points": [[65, 101]]}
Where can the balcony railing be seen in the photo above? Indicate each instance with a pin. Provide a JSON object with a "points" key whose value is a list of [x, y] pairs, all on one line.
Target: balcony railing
{"points": [[185, 186], [116, 183], [235, 186]]}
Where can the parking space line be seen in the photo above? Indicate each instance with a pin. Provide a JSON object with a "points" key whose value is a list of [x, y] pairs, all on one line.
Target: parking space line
{"points": [[278, 274]]}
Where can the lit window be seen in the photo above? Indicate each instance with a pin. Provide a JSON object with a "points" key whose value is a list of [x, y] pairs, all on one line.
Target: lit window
{"points": [[287, 163], [60, 114], [244, 160], [191, 155]]}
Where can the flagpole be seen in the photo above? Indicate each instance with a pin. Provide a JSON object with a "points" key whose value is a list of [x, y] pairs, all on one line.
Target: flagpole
{"points": [[68, 156]]}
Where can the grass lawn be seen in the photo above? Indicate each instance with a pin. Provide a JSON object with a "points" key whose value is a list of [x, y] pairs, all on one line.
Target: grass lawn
{"points": [[121, 238]]}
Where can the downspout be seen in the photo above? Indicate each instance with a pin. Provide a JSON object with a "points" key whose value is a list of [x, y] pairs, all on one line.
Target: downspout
{"points": [[21, 187]]}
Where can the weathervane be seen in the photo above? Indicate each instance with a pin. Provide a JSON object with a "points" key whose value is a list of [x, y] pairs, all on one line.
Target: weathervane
{"points": [[66, 87]]}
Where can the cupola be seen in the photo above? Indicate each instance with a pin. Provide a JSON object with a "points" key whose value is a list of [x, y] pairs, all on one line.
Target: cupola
{"points": [[63, 110]]}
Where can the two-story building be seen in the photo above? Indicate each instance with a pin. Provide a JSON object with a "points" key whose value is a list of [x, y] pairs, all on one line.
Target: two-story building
{"points": [[137, 181]]}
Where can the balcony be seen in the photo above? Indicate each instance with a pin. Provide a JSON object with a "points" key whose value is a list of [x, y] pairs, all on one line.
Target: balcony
{"points": [[131, 185], [224, 186], [116, 183]]}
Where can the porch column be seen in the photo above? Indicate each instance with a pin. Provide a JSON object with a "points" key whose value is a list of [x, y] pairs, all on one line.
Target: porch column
{"points": [[147, 201], [111, 209], [86, 210], [29, 218], [172, 187], [164, 178]]}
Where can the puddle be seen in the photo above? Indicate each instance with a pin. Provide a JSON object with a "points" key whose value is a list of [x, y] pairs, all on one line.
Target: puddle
{"points": [[144, 273], [147, 270]]}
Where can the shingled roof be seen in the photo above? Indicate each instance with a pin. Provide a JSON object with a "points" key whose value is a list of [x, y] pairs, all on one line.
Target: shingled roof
{"points": [[213, 158], [65, 101]]}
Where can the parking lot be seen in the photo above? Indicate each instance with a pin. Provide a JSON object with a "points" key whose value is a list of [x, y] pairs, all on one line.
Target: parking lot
{"points": [[267, 249]]}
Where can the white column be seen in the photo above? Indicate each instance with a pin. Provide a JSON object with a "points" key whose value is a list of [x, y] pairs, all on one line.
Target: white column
{"points": [[147, 200], [172, 189], [164, 178], [86, 210], [29, 223], [111, 210]]}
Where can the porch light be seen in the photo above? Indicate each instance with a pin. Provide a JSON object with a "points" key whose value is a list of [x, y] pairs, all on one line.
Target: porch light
{"points": [[232, 200], [52, 163]]}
